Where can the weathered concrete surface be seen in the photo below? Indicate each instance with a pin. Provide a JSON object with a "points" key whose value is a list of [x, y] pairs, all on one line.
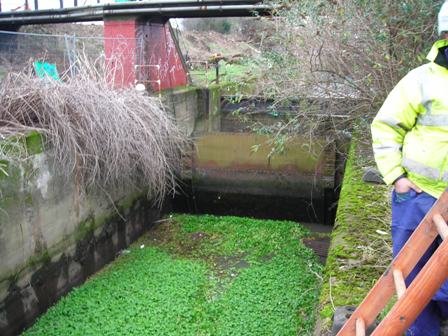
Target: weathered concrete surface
{"points": [[197, 110], [227, 176], [52, 239], [227, 158], [240, 163]]}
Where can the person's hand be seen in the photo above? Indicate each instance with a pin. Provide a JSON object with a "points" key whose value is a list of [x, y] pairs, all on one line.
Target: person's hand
{"points": [[403, 185]]}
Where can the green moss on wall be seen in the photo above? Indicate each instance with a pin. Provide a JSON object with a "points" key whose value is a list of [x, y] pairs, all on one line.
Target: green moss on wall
{"points": [[4, 168], [34, 143], [13, 167], [360, 243], [20, 146], [83, 229], [38, 259]]}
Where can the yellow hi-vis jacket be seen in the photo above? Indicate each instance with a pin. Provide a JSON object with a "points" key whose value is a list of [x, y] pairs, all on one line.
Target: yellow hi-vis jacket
{"points": [[410, 131]]}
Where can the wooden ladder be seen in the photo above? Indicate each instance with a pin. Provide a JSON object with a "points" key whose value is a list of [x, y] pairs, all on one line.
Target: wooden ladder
{"points": [[412, 300]]}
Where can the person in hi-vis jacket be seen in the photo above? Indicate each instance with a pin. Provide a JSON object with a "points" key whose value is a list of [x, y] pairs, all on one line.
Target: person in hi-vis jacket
{"points": [[410, 144]]}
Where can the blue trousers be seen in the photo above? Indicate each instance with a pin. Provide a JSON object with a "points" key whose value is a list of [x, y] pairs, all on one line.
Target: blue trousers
{"points": [[408, 209]]}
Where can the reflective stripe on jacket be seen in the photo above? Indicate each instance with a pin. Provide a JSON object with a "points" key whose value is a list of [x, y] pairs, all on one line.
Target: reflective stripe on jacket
{"points": [[410, 131]]}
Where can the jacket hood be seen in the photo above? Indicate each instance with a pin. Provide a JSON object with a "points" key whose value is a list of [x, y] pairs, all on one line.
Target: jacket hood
{"points": [[434, 52]]}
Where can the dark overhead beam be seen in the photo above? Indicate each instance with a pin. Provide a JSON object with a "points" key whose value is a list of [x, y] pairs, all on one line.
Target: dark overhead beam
{"points": [[160, 9]]}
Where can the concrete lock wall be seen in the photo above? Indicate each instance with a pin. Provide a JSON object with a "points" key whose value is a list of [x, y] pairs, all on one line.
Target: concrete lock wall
{"points": [[52, 238], [227, 159], [196, 110]]}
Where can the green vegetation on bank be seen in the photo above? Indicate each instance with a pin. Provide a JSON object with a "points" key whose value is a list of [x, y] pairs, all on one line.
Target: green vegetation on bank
{"points": [[360, 247], [240, 77], [199, 275]]}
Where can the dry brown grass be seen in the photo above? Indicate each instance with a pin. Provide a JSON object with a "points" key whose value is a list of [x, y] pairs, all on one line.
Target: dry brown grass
{"points": [[104, 138]]}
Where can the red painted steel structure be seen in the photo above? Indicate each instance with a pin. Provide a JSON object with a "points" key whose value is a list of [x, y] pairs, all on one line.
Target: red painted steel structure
{"points": [[120, 48], [139, 40], [163, 64], [143, 51]]}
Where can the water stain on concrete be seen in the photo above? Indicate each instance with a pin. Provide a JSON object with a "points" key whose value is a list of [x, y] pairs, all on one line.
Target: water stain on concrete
{"points": [[54, 278]]}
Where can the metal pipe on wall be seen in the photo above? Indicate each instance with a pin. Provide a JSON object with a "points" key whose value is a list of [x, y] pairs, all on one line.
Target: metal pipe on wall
{"points": [[98, 13]]}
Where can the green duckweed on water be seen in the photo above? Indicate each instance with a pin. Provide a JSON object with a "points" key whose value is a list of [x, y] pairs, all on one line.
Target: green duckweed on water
{"points": [[198, 275]]}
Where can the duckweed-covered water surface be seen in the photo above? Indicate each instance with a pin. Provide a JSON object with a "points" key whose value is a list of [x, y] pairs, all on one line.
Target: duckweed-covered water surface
{"points": [[198, 275]]}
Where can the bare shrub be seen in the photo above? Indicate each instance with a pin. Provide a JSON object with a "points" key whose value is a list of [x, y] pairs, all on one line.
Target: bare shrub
{"points": [[350, 53], [101, 136]]}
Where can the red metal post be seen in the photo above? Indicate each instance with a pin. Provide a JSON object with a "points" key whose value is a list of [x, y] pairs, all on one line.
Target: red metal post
{"points": [[146, 52], [121, 51]]}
